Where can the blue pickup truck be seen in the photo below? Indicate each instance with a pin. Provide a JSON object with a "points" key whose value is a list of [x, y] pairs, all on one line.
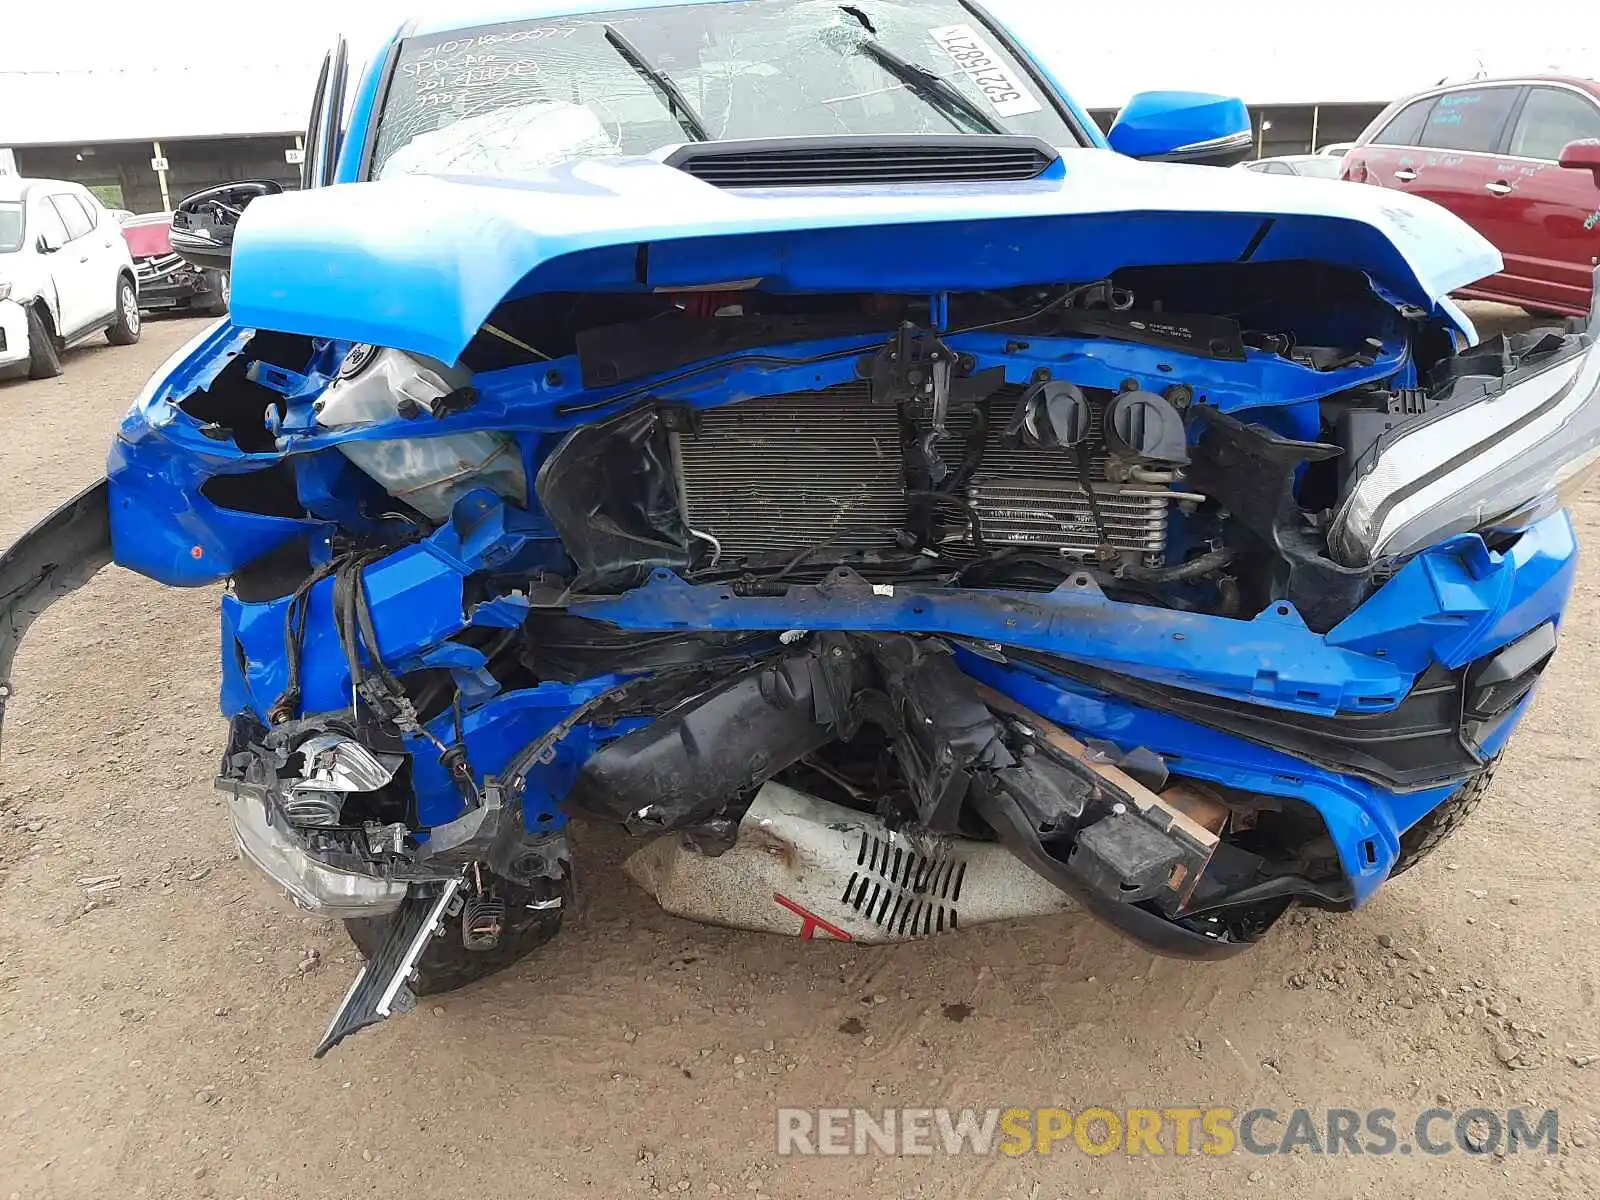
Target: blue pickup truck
{"points": [[793, 432]]}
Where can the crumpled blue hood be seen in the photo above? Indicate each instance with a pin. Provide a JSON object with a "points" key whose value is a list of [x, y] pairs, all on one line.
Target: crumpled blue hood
{"points": [[419, 263]]}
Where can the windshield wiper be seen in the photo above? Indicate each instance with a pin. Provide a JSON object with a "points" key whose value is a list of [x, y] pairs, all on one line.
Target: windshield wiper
{"points": [[951, 100], [682, 111]]}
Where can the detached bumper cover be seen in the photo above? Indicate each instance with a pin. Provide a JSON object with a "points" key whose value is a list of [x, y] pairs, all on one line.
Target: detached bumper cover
{"points": [[58, 555]]}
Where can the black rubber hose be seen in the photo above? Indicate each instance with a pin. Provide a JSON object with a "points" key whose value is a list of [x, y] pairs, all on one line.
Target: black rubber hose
{"points": [[294, 636], [961, 505], [1186, 572]]}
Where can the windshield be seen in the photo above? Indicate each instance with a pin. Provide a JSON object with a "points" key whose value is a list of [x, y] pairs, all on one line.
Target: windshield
{"points": [[10, 226], [499, 99]]}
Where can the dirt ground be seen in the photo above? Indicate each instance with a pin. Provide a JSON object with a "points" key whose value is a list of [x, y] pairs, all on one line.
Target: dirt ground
{"points": [[158, 1005]]}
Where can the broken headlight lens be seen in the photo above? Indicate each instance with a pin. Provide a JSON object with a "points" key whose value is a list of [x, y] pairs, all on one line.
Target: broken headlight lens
{"points": [[1517, 453], [430, 474], [313, 885]]}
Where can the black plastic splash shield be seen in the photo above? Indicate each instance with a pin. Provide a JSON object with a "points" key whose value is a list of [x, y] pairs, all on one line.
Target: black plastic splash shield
{"points": [[1250, 470]]}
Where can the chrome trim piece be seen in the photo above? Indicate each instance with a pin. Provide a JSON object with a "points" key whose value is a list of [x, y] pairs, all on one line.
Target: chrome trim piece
{"points": [[157, 266], [332, 762], [385, 1004], [1230, 141]]}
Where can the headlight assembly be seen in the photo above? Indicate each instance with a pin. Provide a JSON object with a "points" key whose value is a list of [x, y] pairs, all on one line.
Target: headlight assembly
{"points": [[282, 857], [1517, 452]]}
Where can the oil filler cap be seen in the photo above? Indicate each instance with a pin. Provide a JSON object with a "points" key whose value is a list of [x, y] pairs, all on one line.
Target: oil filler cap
{"points": [[1142, 425]]}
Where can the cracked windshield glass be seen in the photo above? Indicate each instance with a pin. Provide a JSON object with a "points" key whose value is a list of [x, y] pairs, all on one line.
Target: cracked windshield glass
{"points": [[522, 95]]}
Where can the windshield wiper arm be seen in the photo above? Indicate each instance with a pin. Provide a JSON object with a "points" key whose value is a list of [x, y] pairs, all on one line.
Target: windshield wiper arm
{"points": [[936, 88], [677, 103]]}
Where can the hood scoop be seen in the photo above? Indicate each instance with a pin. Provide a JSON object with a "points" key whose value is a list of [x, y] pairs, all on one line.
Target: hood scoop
{"points": [[864, 161]]}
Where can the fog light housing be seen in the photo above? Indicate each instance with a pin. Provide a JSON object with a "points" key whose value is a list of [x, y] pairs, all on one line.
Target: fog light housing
{"points": [[1495, 684]]}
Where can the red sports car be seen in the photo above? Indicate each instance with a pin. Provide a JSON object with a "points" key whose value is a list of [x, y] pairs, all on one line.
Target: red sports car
{"points": [[1519, 160]]}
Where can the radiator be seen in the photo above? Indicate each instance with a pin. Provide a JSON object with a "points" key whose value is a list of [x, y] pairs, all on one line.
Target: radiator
{"points": [[787, 472], [784, 473], [1035, 497]]}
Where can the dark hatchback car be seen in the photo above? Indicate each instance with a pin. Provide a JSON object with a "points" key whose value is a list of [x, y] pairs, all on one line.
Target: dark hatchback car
{"points": [[165, 280], [1517, 159]]}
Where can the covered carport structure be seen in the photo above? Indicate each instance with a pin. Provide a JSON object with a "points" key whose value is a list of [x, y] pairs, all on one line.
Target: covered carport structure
{"points": [[143, 137]]}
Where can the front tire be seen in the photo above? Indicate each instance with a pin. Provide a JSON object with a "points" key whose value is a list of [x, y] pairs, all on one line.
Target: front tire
{"points": [[125, 326], [44, 356], [447, 964], [213, 303], [1423, 838]]}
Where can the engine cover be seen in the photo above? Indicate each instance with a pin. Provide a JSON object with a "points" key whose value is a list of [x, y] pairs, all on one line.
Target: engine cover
{"points": [[783, 473]]}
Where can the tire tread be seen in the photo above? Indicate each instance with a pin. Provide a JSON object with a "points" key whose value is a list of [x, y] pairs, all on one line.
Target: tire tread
{"points": [[447, 964], [1423, 838]]}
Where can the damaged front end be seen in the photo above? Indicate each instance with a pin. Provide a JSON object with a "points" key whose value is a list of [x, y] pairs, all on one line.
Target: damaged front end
{"points": [[995, 585]]}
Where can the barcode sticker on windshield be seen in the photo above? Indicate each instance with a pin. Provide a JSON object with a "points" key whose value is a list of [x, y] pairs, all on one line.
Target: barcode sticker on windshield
{"points": [[984, 67]]}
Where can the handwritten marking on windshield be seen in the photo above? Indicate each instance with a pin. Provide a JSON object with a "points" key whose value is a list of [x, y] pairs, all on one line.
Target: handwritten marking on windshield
{"points": [[510, 38]]}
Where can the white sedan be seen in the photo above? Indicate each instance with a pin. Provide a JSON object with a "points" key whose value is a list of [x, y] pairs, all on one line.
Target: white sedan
{"points": [[1313, 166]]}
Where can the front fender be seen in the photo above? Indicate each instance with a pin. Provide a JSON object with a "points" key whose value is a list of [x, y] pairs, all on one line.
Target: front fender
{"points": [[39, 287], [58, 555]]}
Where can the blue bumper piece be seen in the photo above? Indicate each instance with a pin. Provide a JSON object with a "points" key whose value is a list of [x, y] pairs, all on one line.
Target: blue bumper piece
{"points": [[1364, 821], [1452, 605]]}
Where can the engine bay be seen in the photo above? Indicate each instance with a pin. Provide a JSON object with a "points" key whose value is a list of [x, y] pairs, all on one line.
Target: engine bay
{"points": [[762, 440], [652, 556]]}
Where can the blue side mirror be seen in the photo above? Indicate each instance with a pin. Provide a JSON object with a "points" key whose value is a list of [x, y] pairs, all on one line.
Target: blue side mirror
{"points": [[1188, 127]]}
